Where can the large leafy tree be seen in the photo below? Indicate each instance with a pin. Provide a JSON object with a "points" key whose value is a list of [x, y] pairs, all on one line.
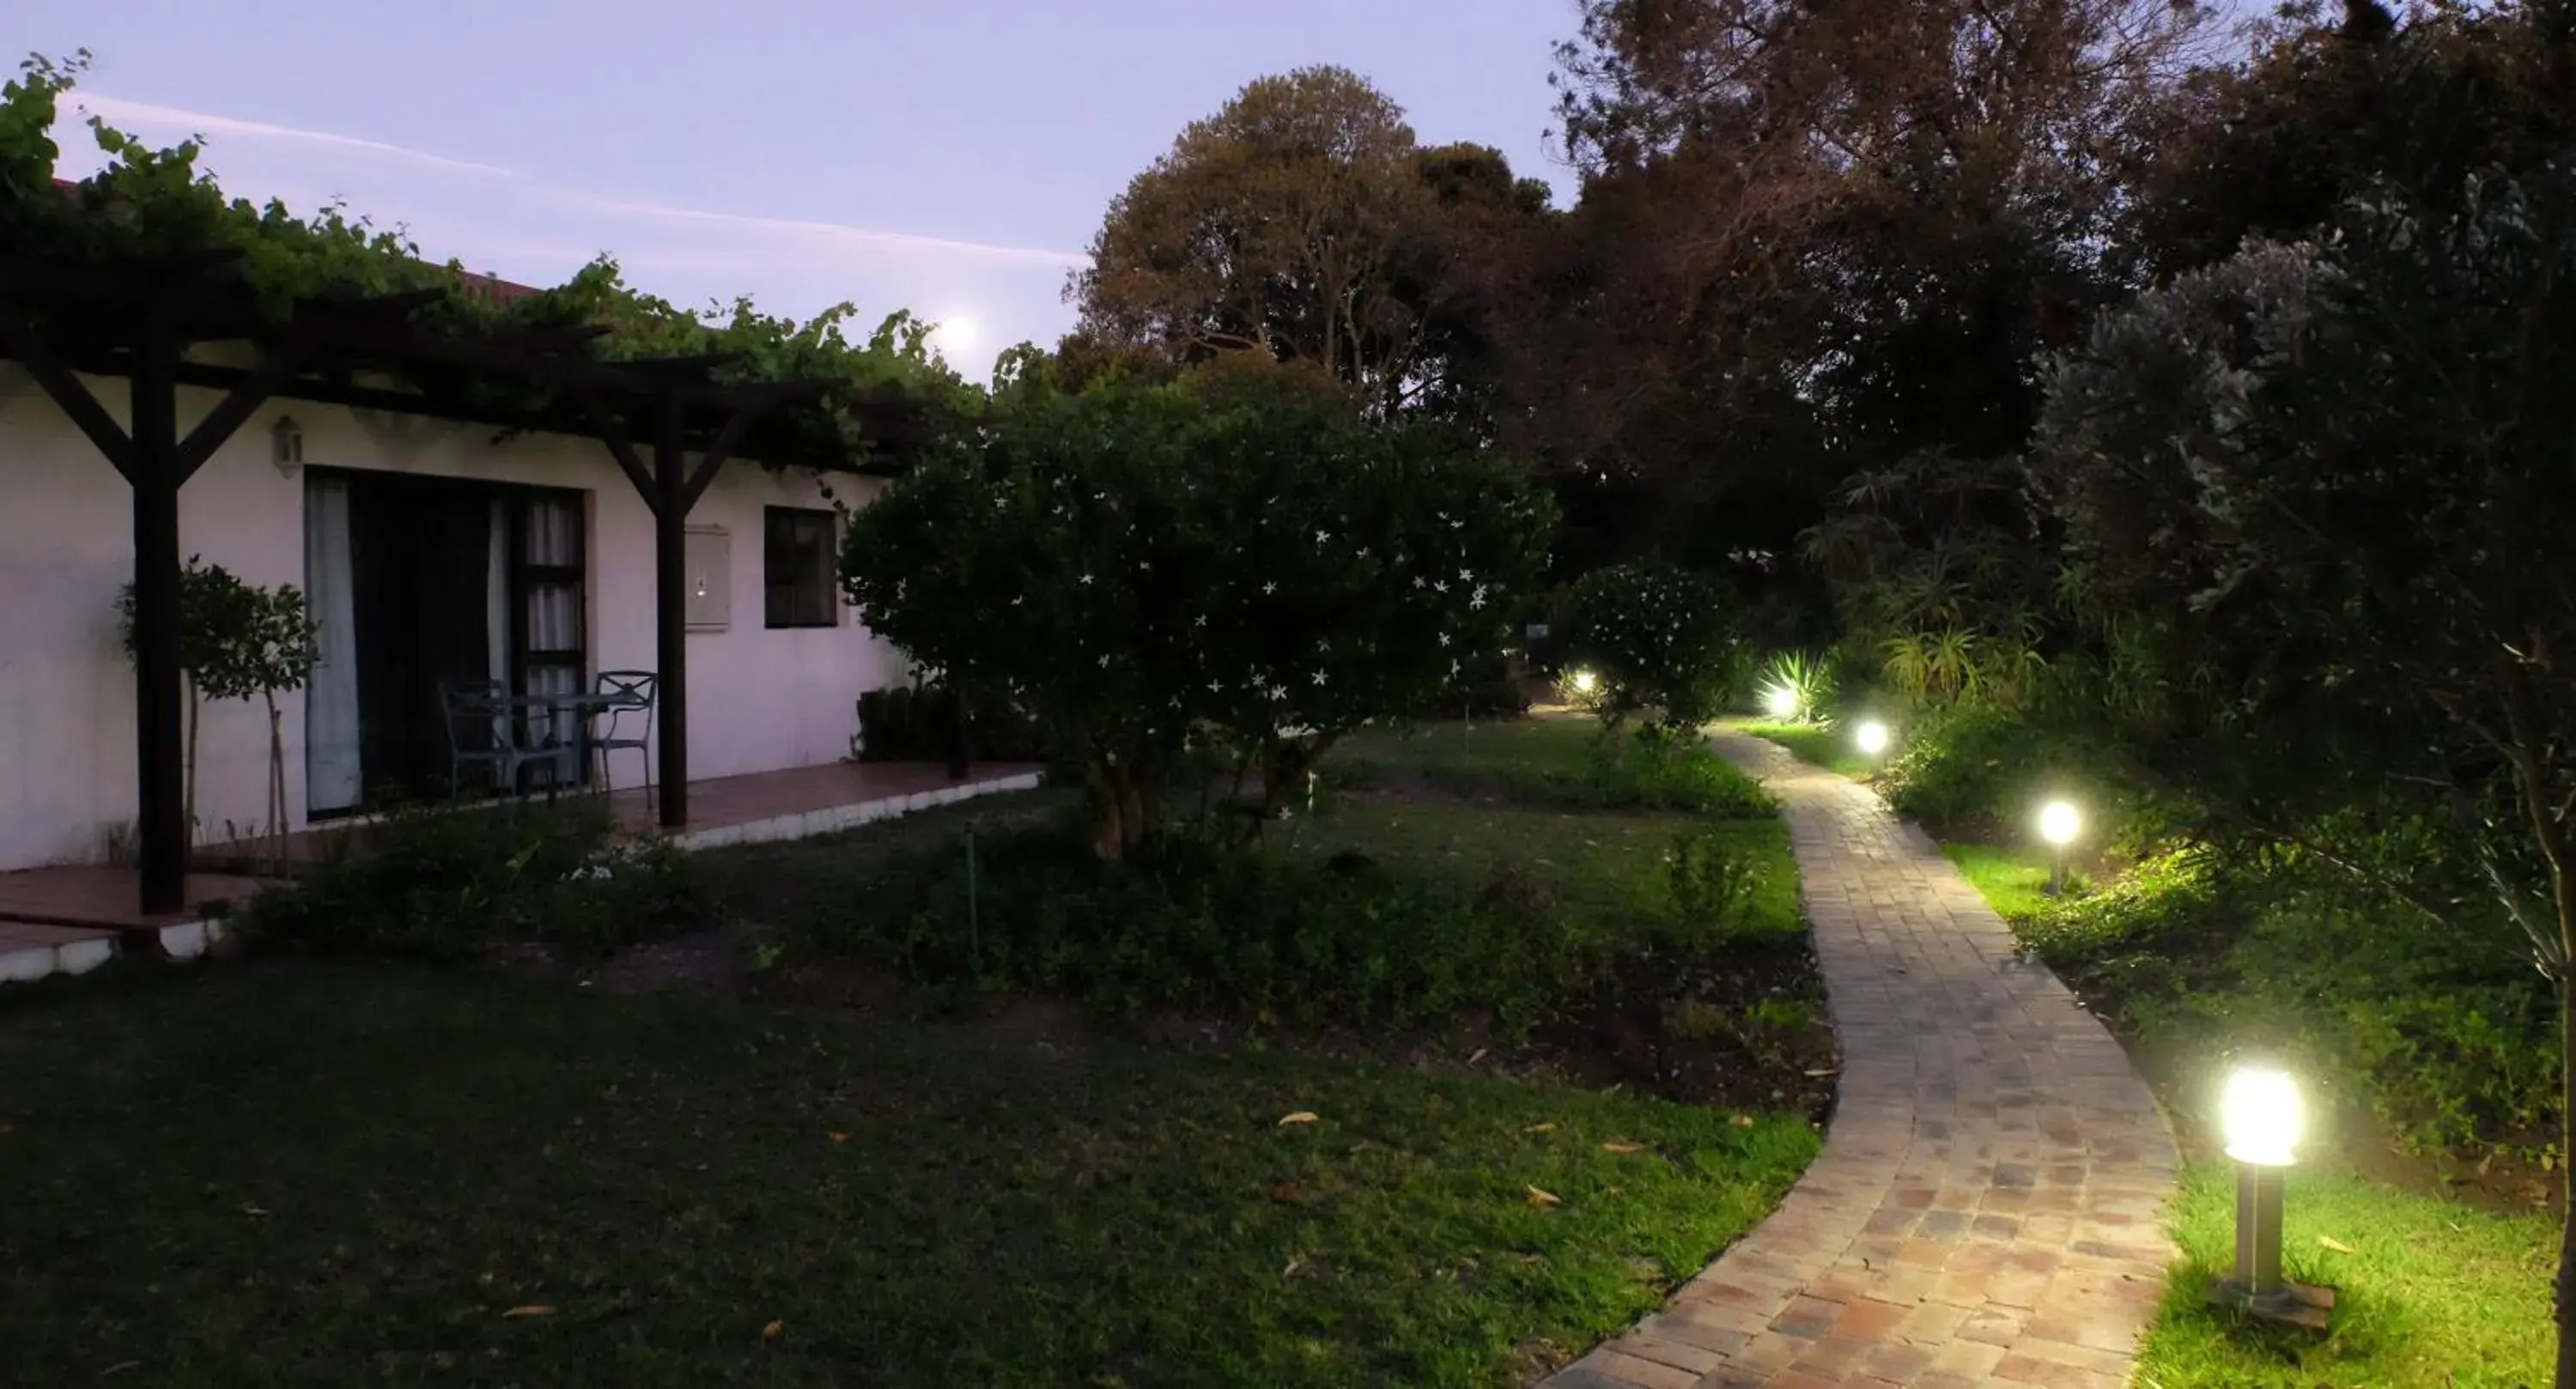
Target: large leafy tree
{"points": [[2331, 103], [2332, 485], [1304, 222], [1818, 240], [1235, 560]]}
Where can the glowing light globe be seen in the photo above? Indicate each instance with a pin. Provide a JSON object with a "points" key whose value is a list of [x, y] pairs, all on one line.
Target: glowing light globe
{"points": [[1782, 701], [2262, 1117], [1585, 682], [2059, 823], [1871, 738]]}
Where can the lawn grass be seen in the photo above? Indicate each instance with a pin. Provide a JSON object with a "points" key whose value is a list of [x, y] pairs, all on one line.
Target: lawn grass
{"points": [[2012, 880], [300, 1173], [1553, 760], [335, 1175], [1609, 864], [1824, 745], [1533, 753], [2432, 1294]]}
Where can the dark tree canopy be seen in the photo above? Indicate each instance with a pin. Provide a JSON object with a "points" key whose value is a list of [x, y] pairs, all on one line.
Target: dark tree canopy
{"points": [[1304, 222], [1820, 240]]}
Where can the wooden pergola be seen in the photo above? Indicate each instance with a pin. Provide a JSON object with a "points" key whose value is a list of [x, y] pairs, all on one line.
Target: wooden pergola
{"points": [[136, 318]]}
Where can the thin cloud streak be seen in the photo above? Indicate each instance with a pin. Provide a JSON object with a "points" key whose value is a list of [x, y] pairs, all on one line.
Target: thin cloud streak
{"points": [[171, 120], [117, 111]]}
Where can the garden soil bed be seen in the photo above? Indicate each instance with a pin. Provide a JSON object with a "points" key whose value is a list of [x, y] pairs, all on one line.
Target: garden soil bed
{"points": [[1743, 1028]]}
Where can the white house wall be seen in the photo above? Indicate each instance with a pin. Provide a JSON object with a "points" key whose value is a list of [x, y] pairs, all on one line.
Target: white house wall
{"points": [[761, 700]]}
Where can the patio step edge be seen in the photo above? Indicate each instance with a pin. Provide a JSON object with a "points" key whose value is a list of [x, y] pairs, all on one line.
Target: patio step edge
{"points": [[187, 940]]}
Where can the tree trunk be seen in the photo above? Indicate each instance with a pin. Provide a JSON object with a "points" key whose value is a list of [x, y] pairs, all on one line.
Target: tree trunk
{"points": [[276, 786], [1108, 814], [2566, 1287]]}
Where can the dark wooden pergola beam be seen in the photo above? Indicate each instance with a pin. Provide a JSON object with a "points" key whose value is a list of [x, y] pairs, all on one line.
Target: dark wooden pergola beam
{"points": [[673, 491], [131, 283], [612, 432], [139, 315], [156, 463], [281, 361], [59, 382]]}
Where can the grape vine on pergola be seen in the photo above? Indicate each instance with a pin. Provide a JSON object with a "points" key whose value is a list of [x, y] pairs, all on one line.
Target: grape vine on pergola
{"points": [[670, 423]]}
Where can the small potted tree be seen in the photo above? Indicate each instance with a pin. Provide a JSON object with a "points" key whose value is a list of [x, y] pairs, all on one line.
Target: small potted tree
{"points": [[237, 640]]}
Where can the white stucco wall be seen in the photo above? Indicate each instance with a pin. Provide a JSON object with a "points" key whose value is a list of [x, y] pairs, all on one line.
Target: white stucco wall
{"points": [[760, 700]]}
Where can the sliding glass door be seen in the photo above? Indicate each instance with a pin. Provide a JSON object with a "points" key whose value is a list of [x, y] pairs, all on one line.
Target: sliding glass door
{"points": [[420, 583]]}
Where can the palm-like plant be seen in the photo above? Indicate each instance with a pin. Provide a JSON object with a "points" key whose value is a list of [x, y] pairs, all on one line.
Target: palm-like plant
{"points": [[1796, 687]]}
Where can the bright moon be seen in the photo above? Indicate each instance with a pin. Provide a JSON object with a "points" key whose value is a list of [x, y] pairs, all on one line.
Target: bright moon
{"points": [[956, 335]]}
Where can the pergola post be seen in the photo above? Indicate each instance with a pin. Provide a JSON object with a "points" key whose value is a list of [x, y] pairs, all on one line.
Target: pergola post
{"points": [[671, 489], [670, 611], [156, 461], [136, 316], [160, 750]]}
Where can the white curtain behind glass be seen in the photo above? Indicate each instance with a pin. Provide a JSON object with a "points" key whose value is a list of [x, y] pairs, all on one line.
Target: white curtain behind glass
{"points": [[553, 608], [333, 777]]}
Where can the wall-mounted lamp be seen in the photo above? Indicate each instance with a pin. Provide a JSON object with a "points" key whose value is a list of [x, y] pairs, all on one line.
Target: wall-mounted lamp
{"points": [[2261, 1117], [286, 445]]}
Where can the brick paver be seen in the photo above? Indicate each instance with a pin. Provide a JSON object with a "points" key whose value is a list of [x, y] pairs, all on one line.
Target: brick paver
{"points": [[1987, 1207]]}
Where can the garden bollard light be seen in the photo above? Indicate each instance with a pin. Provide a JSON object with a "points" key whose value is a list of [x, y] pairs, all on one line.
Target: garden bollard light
{"points": [[2059, 823], [1782, 701], [1585, 682], [2260, 1115], [1871, 737]]}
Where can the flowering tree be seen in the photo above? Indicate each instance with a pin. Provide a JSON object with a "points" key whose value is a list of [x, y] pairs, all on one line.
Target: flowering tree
{"points": [[1231, 560], [1659, 637]]}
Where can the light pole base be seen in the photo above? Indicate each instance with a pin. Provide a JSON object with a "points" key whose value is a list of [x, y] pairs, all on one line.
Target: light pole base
{"points": [[2296, 1304]]}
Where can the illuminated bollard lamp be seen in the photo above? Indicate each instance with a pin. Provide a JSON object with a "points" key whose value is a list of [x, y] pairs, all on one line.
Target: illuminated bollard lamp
{"points": [[2260, 1115], [1870, 738], [2059, 823]]}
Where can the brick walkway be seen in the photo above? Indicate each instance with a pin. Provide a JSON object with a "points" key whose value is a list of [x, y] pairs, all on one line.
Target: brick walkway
{"points": [[1986, 1208]]}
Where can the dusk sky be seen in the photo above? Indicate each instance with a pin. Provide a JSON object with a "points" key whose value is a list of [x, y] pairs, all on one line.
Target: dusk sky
{"points": [[953, 158]]}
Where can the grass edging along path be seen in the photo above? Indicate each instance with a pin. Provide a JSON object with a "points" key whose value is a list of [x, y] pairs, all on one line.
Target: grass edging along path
{"points": [[2433, 1294], [330, 1174], [1824, 745]]}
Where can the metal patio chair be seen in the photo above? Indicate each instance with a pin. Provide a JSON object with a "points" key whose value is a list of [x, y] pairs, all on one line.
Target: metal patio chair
{"points": [[485, 704], [625, 693]]}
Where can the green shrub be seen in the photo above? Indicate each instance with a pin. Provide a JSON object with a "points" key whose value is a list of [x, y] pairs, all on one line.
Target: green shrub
{"points": [[1651, 769], [1189, 924], [917, 723], [1655, 636], [2441, 1031], [1981, 772], [1713, 881], [449, 884]]}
